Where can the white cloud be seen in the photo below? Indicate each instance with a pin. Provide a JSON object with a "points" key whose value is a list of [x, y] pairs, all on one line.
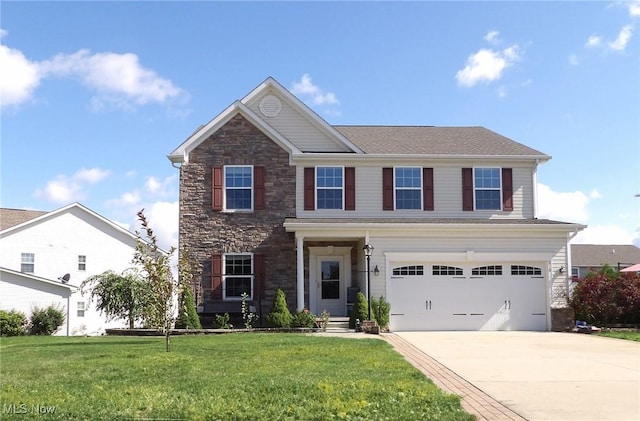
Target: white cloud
{"points": [[603, 234], [492, 37], [623, 38], [114, 74], [594, 41], [118, 79], [161, 188], [573, 60], [487, 65], [562, 206], [19, 77], [126, 200], [163, 219], [573, 207], [634, 8], [67, 189], [306, 88], [619, 44]]}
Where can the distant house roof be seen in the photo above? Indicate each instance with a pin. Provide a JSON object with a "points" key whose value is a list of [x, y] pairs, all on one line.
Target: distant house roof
{"points": [[13, 217], [17, 274], [429, 140], [595, 255]]}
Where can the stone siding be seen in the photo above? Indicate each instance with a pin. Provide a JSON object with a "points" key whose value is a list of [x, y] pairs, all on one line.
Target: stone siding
{"points": [[204, 232]]}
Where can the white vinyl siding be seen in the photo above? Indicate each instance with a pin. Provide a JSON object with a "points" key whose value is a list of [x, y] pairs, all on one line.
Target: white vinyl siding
{"points": [[447, 194], [304, 134]]}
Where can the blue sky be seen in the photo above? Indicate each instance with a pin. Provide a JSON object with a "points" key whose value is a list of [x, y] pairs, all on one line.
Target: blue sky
{"points": [[94, 95]]}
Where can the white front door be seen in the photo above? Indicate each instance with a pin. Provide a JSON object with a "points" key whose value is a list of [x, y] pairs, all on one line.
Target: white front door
{"points": [[331, 289]]}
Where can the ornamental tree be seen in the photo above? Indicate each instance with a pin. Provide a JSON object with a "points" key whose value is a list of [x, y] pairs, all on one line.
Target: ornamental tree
{"points": [[118, 295]]}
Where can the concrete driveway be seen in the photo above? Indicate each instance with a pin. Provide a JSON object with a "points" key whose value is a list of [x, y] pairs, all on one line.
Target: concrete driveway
{"points": [[544, 375]]}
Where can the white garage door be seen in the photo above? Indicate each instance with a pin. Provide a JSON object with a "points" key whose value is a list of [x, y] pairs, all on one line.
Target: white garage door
{"points": [[465, 297]]}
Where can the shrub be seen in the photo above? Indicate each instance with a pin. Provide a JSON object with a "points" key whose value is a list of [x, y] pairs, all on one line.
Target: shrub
{"points": [[46, 321], [12, 323], [303, 318], [222, 321], [359, 311], [606, 298], [187, 314], [280, 316], [380, 310]]}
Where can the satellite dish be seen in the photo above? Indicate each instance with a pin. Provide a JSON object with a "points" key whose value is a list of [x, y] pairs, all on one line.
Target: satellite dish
{"points": [[65, 278]]}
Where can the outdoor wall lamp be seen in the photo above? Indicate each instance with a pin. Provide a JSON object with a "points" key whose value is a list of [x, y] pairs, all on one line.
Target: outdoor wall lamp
{"points": [[376, 271], [561, 270]]}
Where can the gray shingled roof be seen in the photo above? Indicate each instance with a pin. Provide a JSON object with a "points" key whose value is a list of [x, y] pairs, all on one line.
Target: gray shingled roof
{"points": [[595, 255], [428, 140], [12, 217]]}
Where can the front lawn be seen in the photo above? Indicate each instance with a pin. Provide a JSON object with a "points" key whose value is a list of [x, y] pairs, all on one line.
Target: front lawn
{"points": [[622, 334], [218, 377]]}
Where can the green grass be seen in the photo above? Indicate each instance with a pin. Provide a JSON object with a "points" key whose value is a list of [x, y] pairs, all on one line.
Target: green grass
{"points": [[218, 377], [622, 334]]}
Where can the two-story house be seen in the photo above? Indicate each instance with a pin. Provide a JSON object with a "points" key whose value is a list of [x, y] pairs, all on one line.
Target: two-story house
{"points": [[45, 256], [272, 196]]}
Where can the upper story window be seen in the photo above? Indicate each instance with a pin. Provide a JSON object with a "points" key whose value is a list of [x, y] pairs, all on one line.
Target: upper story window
{"points": [[487, 188], [82, 263], [238, 187], [27, 262], [238, 276], [329, 187], [408, 187]]}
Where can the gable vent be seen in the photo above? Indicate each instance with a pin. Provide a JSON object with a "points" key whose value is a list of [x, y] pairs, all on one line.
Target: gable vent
{"points": [[270, 106]]}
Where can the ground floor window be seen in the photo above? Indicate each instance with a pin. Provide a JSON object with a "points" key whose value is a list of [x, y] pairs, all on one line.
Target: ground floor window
{"points": [[81, 309], [238, 276]]}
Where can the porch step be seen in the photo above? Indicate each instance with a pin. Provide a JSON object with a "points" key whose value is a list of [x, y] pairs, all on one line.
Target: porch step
{"points": [[338, 324]]}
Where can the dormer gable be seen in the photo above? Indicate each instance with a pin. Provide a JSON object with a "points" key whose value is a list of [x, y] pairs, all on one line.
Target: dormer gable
{"points": [[279, 115]]}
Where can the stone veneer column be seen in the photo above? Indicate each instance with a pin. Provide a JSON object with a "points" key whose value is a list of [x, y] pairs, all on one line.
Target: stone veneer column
{"points": [[300, 272]]}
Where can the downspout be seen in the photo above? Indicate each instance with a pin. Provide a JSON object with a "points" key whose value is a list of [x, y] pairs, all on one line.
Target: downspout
{"points": [[534, 175], [68, 313]]}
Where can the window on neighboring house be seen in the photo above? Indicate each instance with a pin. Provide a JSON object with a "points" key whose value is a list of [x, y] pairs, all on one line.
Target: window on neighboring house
{"points": [[82, 263], [238, 184], [81, 309], [27, 262], [329, 187], [408, 187], [575, 272], [487, 188], [238, 276]]}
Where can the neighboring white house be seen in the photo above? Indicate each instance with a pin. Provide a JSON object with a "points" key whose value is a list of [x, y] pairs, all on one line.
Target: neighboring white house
{"points": [[45, 256]]}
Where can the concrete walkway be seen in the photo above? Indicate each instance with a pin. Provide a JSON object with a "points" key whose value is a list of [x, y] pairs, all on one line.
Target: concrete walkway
{"points": [[531, 376]]}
